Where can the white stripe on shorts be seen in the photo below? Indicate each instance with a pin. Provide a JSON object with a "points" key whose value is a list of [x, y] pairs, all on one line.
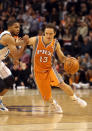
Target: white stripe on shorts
{"points": [[4, 71]]}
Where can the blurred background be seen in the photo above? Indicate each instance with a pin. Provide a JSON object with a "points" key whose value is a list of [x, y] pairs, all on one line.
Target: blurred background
{"points": [[73, 21]]}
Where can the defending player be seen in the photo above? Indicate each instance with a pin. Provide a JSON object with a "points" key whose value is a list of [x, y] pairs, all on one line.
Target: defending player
{"points": [[45, 74], [8, 47]]}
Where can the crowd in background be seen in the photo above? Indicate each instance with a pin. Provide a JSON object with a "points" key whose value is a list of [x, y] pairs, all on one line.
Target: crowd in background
{"points": [[73, 21]]}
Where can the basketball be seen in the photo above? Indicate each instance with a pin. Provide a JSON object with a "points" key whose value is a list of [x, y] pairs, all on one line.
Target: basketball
{"points": [[71, 65]]}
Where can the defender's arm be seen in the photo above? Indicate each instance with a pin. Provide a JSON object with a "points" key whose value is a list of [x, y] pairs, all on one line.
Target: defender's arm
{"points": [[11, 44]]}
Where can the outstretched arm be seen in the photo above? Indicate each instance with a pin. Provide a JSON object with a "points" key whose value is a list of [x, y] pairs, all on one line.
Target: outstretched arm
{"points": [[32, 41]]}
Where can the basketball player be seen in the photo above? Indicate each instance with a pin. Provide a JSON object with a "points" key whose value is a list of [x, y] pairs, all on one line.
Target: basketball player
{"points": [[45, 74], [8, 47]]}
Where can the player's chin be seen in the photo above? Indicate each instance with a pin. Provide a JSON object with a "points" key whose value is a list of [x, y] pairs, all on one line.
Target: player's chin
{"points": [[49, 39], [17, 33]]}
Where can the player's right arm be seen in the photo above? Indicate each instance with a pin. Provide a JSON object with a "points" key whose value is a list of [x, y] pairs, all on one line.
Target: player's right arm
{"points": [[32, 41], [9, 41]]}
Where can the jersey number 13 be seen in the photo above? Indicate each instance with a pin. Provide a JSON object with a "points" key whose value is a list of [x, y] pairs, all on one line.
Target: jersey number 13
{"points": [[43, 59]]}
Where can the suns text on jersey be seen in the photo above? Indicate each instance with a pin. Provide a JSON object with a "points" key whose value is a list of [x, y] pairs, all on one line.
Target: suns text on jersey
{"points": [[46, 52]]}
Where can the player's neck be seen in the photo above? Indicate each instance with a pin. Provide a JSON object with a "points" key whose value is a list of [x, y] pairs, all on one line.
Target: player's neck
{"points": [[46, 41], [10, 32]]}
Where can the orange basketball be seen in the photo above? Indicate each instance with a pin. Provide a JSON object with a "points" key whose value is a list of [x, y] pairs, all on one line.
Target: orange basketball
{"points": [[71, 65]]}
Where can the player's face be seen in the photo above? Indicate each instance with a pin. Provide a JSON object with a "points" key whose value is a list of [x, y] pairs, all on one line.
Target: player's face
{"points": [[49, 33], [15, 28]]}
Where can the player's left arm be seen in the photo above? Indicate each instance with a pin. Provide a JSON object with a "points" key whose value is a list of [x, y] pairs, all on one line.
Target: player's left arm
{"points": [[60, 54]]}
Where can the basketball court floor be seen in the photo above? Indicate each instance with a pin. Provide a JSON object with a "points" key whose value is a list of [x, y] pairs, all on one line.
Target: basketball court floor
{"points": [[27, 112]]}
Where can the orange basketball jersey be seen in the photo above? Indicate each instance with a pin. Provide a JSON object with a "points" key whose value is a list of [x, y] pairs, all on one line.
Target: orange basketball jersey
{"points": [[16, 38], [43, 55]]}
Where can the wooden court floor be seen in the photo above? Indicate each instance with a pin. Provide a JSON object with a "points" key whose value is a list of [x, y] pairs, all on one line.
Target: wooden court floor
{"points": [[27, 112]]}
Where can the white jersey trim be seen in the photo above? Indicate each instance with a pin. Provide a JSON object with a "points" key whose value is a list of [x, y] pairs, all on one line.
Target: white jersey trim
{"points": [[3, 33]]}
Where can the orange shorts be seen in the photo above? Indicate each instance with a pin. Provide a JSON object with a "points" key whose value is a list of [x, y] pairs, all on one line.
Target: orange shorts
{"points": [[44, 81]]}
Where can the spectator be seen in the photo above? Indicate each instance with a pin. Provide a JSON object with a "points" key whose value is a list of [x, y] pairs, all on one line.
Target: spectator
{"points": [[26, 28], [23, 74], [26, 57], [90, 42], [67, 38], [34, 28], [15, 72], [54, 16], [83, 28], [84, 46], [76, 44], [31, 83]]}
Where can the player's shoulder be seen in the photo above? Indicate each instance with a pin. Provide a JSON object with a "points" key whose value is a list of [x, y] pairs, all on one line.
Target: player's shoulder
{"points": [[56, 42], [5, 32]]}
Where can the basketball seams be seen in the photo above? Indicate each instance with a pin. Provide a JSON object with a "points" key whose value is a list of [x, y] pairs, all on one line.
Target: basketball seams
{"points": [[71, 65]]}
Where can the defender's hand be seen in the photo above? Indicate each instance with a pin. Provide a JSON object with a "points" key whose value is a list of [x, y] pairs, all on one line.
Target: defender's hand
{"points": [[26, 39]]}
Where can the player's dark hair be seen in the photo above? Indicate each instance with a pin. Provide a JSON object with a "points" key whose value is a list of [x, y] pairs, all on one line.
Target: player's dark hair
{"points": [[11, 22], [50, 25]]}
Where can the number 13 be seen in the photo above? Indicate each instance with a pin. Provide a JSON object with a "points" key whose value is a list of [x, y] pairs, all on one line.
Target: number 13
{"points": [[43, 59]]}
